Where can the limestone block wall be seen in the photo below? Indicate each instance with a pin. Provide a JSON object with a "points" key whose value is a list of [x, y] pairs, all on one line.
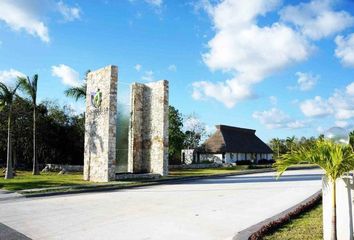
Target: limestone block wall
{"points": [[100, 125], [148, 133]]}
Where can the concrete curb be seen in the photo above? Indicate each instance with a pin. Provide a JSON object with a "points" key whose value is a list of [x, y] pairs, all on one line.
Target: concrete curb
{"points": [[247, 233], [115, 187]]}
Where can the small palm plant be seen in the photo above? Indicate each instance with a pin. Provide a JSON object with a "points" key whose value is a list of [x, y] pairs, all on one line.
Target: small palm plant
{"points": [[335, 159], [7, 96], [29, 87]]}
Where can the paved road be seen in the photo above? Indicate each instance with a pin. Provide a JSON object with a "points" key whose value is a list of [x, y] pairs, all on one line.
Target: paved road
{"points": [[204, 209]]}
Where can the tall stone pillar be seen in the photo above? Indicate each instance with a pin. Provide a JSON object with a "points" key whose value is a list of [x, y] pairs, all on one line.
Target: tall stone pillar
{"points": [[148, 133], [100, 125]]}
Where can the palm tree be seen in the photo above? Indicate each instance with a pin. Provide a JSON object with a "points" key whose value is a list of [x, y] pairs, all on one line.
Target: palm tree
{"points": [[29, 87], [275, 143], [290, 141], [6, 99], [78, 92], [335, 159]]}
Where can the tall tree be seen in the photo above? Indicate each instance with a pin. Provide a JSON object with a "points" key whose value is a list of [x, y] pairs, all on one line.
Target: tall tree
{"points": [[175, 134], [7, 95], [335, 159], [351, 137], [29, 87], [195, 131]]}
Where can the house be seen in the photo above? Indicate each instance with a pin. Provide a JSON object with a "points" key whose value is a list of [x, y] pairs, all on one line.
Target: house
{"points": [[229, 145]]}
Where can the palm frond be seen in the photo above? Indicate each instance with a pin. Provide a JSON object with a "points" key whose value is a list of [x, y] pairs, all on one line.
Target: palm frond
{"points": [[334, 159], [29, 87], [77, 92]]}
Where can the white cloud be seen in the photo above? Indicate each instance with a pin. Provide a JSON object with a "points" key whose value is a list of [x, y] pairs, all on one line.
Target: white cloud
{"points": [[316, 19], [275, 118], [9, 77], [172, 68], [67, 75], [273, 100], [137, 67], [228, 92], [316, 107], [246, 50], [18, 15], [156, 3], [342, 124], [345, 49], [69, 13], [306, 81], [148, 76], [340, 105], [350, 89]]}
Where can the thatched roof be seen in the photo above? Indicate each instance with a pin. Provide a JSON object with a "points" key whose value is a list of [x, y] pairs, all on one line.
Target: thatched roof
{"points": [[234, 140]]}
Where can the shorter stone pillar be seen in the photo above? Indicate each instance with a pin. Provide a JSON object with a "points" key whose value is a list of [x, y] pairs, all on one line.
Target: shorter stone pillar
{"points": [[148, 133], [344, 187], [100, 125]]}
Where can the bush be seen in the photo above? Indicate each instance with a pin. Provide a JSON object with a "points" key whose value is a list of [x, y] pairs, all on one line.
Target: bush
{"points": [[265, 161], [244, 162]]}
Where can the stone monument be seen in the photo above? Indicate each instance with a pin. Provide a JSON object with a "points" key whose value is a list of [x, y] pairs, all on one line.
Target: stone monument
{"points": [[148, 132], [100, 125]]}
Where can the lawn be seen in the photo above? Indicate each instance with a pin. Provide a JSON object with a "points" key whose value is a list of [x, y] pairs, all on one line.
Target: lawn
{"points": [[206, 171], [25, 180], [307, 226]]}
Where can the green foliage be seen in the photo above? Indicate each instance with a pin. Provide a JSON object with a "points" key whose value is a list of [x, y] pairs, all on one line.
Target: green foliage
{"points": [[60, 134], [29, 87], [282, 146], [351, 136], [334, 159], [77, 92], [176, 135]]}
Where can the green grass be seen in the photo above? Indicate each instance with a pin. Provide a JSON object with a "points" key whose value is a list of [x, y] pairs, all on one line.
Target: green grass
{"points": [[206, 171], [307, 226], [25, 180]]}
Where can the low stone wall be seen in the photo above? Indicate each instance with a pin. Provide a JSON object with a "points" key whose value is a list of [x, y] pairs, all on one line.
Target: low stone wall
{"points": [[59, 167], [197, 166]]}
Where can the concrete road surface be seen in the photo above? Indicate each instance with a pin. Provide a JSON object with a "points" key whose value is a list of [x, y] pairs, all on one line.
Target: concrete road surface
{"points": [[203, 209]]}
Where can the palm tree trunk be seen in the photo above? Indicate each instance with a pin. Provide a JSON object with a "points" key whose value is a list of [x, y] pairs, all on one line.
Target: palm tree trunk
{"points": [[35, 162], [334, 211], [9, 171]]}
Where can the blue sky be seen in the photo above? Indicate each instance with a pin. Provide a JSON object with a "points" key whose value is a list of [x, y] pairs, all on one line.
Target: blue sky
{"points": [[281, 67]]}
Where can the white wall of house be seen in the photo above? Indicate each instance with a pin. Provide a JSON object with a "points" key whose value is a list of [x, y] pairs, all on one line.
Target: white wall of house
{"points": [[211, 157], [229, 157]]}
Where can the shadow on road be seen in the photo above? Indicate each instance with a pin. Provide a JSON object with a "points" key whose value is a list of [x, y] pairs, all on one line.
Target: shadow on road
{"points": [[260, 179]]}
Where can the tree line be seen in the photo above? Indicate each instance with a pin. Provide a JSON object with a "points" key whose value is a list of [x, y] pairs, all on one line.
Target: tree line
{"points": [[289, 144]]}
